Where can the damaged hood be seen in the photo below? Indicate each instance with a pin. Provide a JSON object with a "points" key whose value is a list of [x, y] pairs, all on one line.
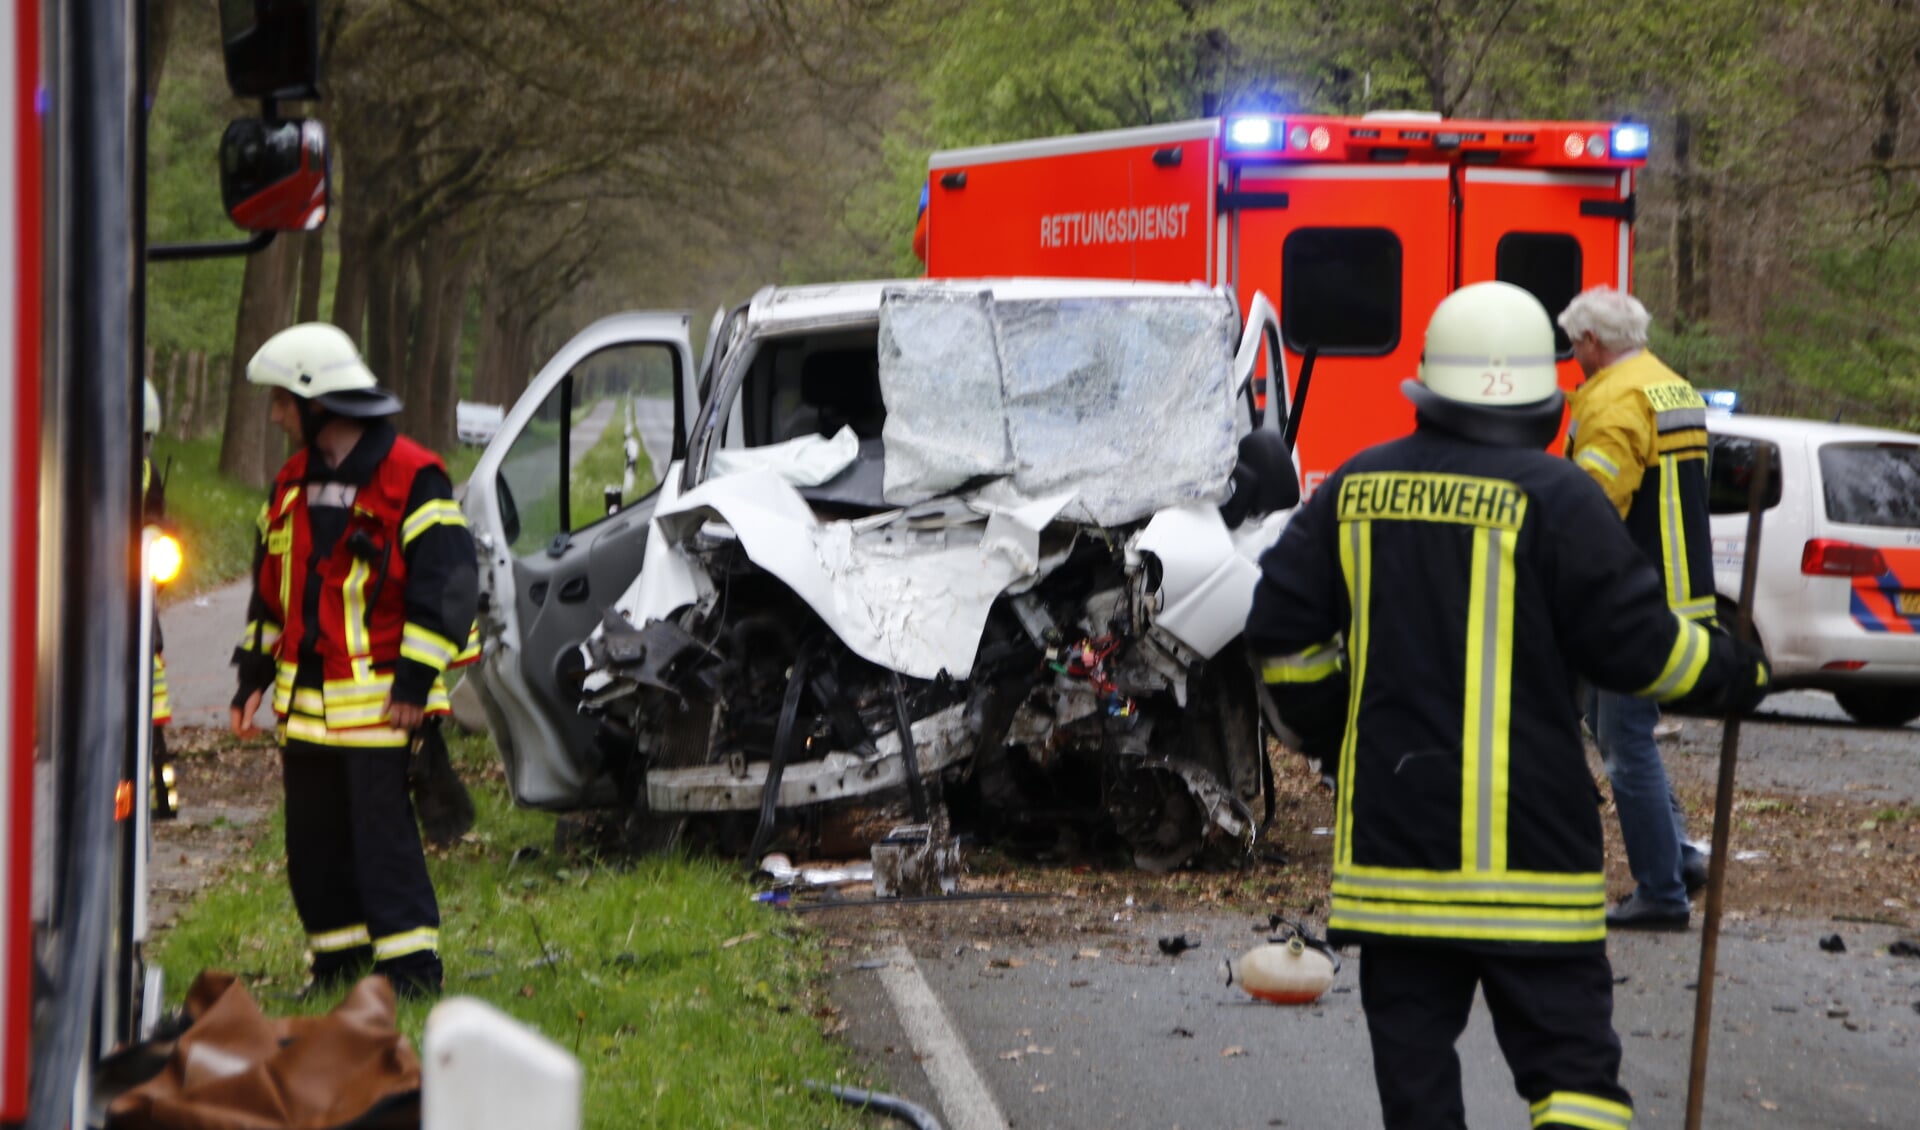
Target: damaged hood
{"points": [[910, 598], [1002, 417]]}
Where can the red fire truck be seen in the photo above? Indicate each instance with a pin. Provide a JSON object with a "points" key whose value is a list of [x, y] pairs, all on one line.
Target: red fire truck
{"points": [[74, 611], [1356, 227]]}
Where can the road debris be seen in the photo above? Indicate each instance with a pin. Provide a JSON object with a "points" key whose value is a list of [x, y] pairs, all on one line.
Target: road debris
{"points": [[1177, 945], [1904, 948], [1833, 943]]}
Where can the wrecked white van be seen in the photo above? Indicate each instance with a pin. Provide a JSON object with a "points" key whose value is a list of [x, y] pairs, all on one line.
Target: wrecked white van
{"points": [[896, 546]]}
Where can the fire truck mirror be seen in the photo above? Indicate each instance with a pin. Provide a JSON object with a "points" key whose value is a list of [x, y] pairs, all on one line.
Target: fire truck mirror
{"points": [[272, 48], [273, 174]]}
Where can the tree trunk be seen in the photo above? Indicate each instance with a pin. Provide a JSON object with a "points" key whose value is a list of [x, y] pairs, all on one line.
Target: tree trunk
{"points": [[350, 287], [266, 304], [313, 262], [173, 407], [159, 34], [1685, 284]]}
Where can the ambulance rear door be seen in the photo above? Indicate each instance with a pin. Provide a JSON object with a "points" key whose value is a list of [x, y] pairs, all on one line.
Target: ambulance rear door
{"points": [[1359, 255], [1121, 204], [1553, 232]]}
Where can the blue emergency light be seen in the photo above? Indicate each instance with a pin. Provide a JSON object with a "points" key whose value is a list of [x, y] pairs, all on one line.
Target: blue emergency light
{"points": [[1631, 140], [1252, 133], [1721, 399]]}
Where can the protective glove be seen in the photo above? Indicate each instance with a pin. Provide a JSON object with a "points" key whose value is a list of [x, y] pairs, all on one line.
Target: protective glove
{"points": [[1751, 677], [440, 798]]}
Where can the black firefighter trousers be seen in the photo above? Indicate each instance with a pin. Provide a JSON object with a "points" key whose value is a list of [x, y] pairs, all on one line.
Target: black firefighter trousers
{"points": [[1553, 1016], [355, 864]]}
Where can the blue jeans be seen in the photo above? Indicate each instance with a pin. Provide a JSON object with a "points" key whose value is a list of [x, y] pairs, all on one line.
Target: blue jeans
{"points": [[1652, 824]]}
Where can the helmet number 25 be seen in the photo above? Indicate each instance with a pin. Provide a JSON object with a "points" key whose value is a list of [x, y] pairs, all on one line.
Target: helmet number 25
{"points": [[1498, 384]]}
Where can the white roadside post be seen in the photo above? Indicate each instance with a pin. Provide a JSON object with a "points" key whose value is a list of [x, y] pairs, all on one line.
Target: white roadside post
{"points": [[483, 1070]]}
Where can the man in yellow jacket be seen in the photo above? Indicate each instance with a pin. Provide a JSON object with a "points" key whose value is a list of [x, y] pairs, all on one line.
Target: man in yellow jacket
{"points": [[1639, 429]]}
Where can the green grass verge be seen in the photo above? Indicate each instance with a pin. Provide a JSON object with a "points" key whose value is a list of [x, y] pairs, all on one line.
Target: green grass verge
{"points": [[214, 515], [460, 462], [604, 465], [687, 1004]]}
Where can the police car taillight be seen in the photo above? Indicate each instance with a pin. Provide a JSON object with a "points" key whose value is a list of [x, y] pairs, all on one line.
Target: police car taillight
{"points": [[1830, 557], [1631, 140]]}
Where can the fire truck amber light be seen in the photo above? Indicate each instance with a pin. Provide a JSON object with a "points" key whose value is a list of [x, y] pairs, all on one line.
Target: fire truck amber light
{"points": [[1250, 133], [1631, 141], [165, 559], [1827, 557]]}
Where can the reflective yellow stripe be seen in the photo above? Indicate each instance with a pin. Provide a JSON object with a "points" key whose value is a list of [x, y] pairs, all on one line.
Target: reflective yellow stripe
{"points": [[333, 941], [430, 648], [1684, 663], [285, 552], [1672, 537], [305, 728], [1589, 1112], [306, 700], [260, 637], [1597, 463], [400, 945], [354, 606], [1485, 720], [283, 687], [471, 652], [1490, 922], [1309, 666], [1356, 563], [162, 704], [1586, 888], [433, 512]]}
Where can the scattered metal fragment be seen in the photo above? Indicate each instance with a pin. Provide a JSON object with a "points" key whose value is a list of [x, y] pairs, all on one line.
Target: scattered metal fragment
{"points": [[1904, 948], [916, 860], [1833, 943], [1182, 1033], [1177, 945]]}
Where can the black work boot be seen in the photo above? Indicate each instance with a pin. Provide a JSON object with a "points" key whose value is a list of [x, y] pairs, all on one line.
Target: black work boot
{"points": [[417, 976]]}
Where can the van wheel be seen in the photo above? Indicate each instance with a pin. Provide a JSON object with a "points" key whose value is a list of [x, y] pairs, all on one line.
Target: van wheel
{"points": [[1881, 706]]}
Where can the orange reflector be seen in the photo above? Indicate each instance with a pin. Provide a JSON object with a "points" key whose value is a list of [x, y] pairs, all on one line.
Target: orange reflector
{"points": [[123, 801], [165, 559]]}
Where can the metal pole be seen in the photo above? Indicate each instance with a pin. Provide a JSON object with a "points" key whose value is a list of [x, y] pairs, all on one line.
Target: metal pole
{"points": [[1723, 805]]}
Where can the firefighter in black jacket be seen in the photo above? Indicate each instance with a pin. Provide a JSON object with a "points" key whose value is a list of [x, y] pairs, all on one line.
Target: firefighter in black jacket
{"points": [[365, 583], [1423, 624]]}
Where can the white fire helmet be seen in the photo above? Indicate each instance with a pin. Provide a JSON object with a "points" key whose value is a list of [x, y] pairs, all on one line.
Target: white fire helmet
{"points": [[1490, 345], [317, 361]]}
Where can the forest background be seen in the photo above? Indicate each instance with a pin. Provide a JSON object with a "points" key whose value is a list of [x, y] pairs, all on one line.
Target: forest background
{"points": [[507, 170]]}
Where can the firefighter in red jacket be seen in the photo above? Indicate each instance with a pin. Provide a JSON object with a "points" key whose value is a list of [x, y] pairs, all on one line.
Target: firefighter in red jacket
{"points": [[1422, 623], [365, 583]]}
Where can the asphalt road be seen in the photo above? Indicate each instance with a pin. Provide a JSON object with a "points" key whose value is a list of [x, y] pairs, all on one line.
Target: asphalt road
{"points": [[1107, 1031], [1069, 1015]]}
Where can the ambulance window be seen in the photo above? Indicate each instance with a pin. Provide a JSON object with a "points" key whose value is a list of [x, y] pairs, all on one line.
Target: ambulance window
{"points": [[1340, 290], [1546, 265]]}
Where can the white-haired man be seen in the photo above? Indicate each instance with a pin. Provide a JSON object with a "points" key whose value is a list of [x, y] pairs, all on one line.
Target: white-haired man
{"points": [[1639, 429]]}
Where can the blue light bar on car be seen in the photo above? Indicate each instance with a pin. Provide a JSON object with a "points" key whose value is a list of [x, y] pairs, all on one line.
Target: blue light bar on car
{"points": [[1631, 140], [1252, 133], [1721, 399]]}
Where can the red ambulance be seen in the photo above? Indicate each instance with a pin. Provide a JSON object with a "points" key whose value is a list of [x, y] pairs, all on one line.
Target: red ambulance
{"points": [[1355, 227]]}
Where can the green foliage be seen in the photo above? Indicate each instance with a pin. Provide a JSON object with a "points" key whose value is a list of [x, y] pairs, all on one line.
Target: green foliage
{"points": [[213, 516], [190, 305], [1849, 341], [687, 1004]]}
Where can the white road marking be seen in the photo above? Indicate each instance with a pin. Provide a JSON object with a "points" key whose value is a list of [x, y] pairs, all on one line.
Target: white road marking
{"points": [[964, 1097]]}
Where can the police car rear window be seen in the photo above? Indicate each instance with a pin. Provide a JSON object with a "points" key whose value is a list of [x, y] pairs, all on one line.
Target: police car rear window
{"points": [[1545, 265], [1872, 484], [1340, 290]]}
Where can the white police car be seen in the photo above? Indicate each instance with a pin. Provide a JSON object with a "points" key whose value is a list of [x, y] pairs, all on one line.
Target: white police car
{"points": [[1837, 593]]}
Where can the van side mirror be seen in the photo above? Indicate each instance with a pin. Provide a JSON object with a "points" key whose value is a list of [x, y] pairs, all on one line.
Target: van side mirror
{"points": [[272, 48], [273, 174], [1264, 481]]}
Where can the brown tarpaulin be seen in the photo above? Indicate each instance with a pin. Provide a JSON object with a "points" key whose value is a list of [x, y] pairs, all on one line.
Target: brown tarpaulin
{"points": [[235, 1069]]}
